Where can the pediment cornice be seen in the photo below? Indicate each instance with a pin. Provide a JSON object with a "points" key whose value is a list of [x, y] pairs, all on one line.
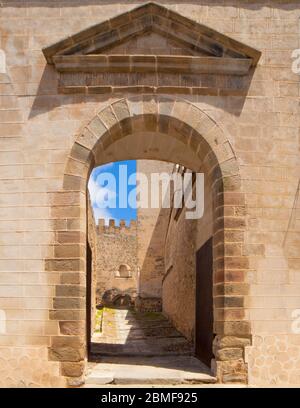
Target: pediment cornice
{"points": [[207, 51]]}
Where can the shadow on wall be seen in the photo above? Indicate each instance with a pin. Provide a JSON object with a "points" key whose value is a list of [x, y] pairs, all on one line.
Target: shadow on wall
{"points": [[46, 101], [221, 90]]}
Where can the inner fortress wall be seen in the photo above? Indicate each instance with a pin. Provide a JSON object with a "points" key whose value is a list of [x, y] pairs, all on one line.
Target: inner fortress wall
{"points": [[116, 249], [152, 230], [184, 238]]}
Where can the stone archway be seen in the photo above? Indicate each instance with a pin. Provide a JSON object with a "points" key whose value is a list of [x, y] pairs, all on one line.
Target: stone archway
{"points": [[185, 122]]}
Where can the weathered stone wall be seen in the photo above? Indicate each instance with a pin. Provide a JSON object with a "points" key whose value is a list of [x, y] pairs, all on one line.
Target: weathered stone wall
{"points": [[38, 221], [179, 281], [184, 238], [152, 229], [116, 246]]}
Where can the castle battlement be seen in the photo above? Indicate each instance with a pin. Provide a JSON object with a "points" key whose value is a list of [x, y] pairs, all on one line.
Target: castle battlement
{"points": [[102, 227]]}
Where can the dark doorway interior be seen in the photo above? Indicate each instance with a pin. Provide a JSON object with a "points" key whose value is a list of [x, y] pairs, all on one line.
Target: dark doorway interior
{"points": [[204, 303], [88, 296]]}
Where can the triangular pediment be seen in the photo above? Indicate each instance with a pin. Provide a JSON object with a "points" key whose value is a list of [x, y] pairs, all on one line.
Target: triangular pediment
{"points": [[151, 39], [152, 43], [151, 17]]}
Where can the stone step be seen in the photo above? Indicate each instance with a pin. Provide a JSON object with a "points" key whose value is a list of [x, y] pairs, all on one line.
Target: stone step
{"points": [[141, 325], [96, 353], [123, 339], [146, 347], [126, 333], [138, 315], [133, 319], [164, 341], [139, 333], [152, 370]]}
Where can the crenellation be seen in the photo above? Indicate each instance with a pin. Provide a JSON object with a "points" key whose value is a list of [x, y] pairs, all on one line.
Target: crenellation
{"points": [[110, 226]]}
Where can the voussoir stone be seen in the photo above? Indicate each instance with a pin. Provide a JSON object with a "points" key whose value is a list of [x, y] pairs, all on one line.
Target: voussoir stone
{"points": [[108, 117], [121, 109], [97, 127], [87, 139]]}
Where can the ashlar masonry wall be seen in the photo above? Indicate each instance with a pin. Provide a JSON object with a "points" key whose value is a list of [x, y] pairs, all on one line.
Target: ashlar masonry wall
{"points": [[38, 126]]}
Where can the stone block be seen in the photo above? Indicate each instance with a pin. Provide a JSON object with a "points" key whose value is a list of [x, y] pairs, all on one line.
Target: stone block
{"points": [[236, 262], [121, 110], [80, 153], [74, 183], [92, 90], [97, 127], [87, 139], [232, 371], [72, 328], [233, 249], [126, 128], [108, 117], [75, 224], [67, 315], [68, 211], [70, 291], [231, 289], [69, 237], [205, 126], [74, 369], [64, 198], [68, 354], [232, 353], [238, 329], [179, 130], [181, 111], [77, 168], [234, 275], [135, 106], [62, 265], [163, 124], [150, 105], [68, 303], [229, 301], [68, 251], [165, 106], [231, 341], [72, 278], [234, 222]]}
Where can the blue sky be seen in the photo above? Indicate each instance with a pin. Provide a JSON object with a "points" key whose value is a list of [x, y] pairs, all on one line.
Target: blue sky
{"points": [[104, 192]]}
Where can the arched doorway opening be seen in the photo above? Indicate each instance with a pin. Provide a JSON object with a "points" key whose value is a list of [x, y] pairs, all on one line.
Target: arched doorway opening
{"points": [[159, 128]]}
